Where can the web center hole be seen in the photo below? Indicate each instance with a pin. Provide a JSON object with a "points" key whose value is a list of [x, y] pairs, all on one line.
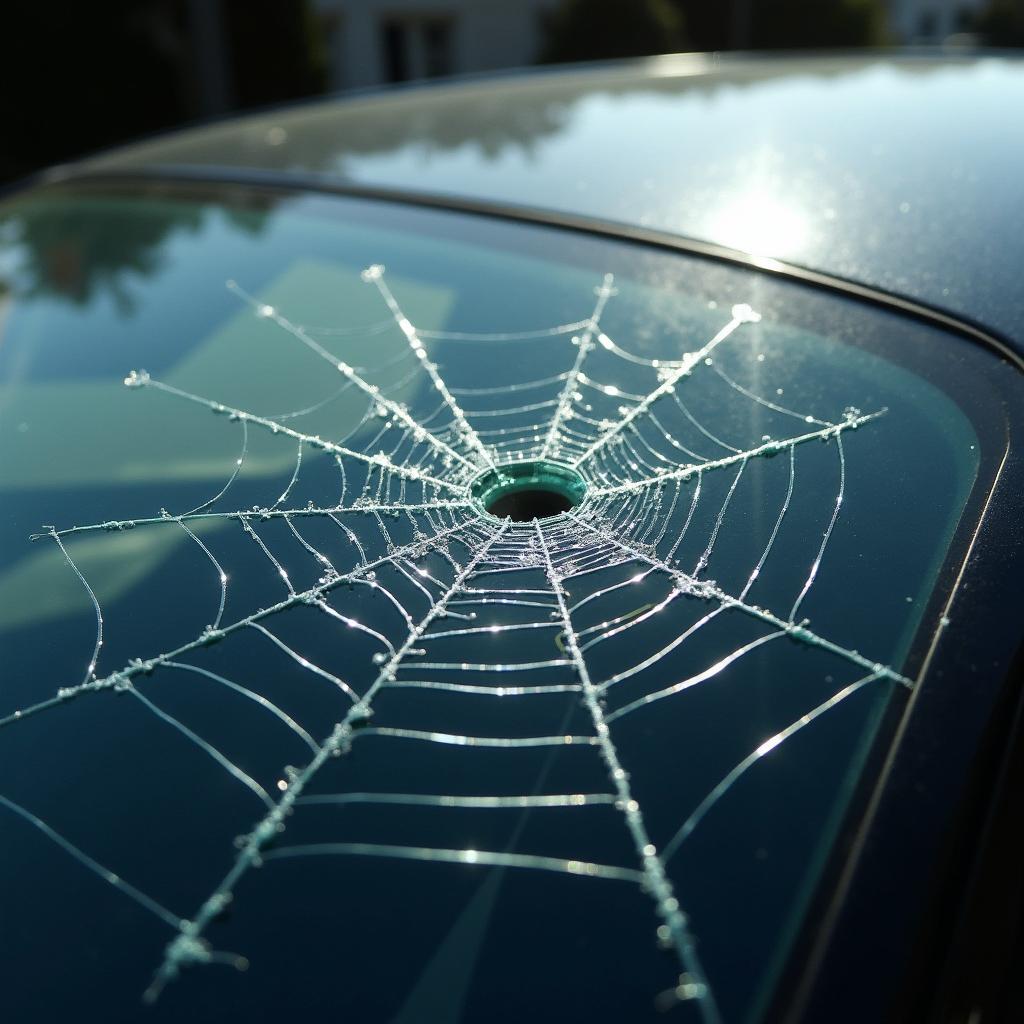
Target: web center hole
{"points": [[524, 491], [522, 506]]}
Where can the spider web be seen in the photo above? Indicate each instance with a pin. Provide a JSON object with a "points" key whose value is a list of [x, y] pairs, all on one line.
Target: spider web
{"points": [[453, 600]]}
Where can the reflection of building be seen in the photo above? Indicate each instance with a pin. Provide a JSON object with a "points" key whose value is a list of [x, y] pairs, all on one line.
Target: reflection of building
{"points": [[376, 41], [928, 21]]}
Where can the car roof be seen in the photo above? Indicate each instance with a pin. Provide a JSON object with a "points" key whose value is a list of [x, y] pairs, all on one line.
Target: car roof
{"points": [[902, 174]]}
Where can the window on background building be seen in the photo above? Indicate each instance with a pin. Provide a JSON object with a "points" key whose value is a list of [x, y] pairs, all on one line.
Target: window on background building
{"points": [[437, 47], [396, 49], [417, 48]]}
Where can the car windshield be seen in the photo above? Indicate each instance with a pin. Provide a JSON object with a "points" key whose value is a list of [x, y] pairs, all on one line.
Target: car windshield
{"points": [[292, 637]]}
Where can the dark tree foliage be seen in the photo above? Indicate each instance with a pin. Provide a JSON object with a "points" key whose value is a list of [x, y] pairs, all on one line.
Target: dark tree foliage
{"points": [[604, 29], [1001, 23], [783, 24], [708, 25], [276, 54], [77, 77], [74, 251], [818, 24]]}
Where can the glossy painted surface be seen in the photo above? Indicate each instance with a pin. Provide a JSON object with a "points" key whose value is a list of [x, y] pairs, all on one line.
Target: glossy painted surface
{"points": [[903, 174]]}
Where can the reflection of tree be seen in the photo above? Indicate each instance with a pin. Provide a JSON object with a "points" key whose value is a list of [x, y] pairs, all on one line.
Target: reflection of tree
{"points": [[76, 246], [489, 119], [484, 121], [322, 137]]}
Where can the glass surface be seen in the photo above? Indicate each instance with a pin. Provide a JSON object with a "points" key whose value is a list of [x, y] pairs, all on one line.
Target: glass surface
{"points": [[589, 768]]}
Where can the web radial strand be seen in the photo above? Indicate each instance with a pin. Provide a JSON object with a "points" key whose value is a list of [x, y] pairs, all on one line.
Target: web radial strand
{"points": [[183, 948], [563, 408], [373, 391], [655, 879], [375, 274], [741, 314]]}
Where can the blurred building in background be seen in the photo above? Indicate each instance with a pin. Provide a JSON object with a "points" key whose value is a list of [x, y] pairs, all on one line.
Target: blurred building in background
{"points": [[372, 42], [376, 42]]}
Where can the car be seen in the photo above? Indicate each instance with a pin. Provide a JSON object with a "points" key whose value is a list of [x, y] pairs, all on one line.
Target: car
{"points": [[539, 547]]}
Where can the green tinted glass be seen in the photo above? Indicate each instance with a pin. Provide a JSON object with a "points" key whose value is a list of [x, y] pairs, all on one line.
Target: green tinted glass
{"points": [[584, 762]]}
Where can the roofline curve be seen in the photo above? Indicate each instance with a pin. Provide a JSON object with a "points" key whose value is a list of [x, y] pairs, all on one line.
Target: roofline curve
{"points": [[297, 182]]}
